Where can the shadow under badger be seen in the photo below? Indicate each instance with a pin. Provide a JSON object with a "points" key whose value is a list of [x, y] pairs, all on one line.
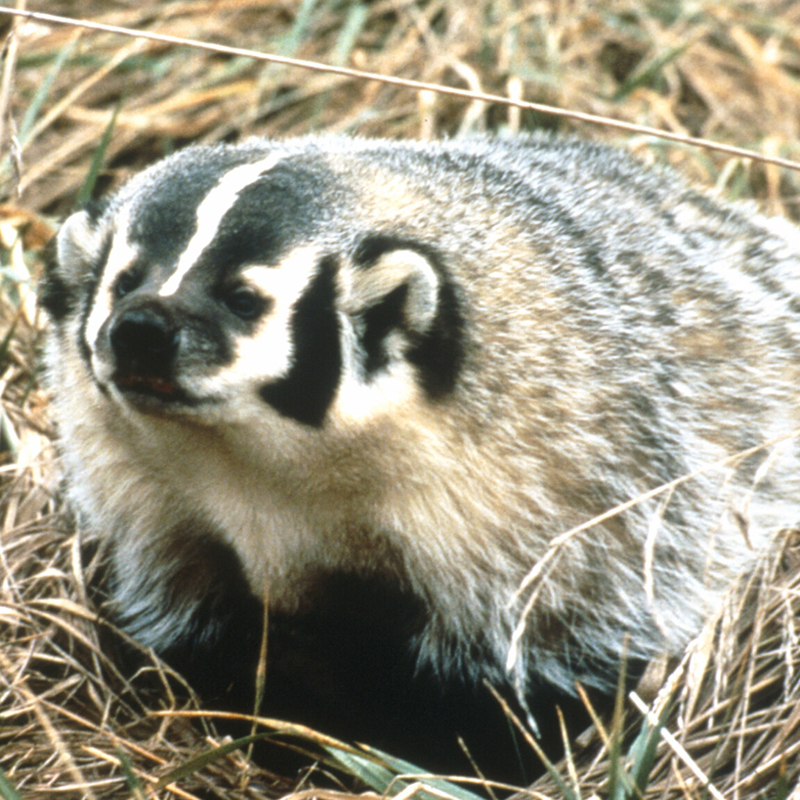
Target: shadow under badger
{"points": [[373, 381]]}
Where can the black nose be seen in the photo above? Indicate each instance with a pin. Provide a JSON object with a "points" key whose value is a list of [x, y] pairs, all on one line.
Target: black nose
{"points": [[144, 342]]}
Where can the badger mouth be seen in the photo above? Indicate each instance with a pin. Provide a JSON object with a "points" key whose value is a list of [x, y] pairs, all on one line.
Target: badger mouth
{"points": [[150, 386]]}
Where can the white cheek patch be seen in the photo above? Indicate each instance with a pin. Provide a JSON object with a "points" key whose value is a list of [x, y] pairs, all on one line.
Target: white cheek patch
{"points": [[210, 213], [359, 401], [395, 392], [267, 353], [120, 257]]}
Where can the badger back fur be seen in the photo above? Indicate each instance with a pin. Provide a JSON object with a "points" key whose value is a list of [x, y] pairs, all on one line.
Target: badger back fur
{"points": [[280, 366]]}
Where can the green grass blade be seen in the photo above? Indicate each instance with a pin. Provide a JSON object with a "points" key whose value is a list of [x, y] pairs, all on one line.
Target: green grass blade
{"points": [[647, 75], [208, 757], [99, 157], [7, 789], [293, 39], [32, 112], [366, 769], [354, 24], [642, 753], [781, 786], [134, 784], [620, 783], [402, 767]]}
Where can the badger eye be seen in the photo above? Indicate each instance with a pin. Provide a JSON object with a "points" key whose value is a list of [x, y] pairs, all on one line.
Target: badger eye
{"points": [[244, 302], [126, 283]]}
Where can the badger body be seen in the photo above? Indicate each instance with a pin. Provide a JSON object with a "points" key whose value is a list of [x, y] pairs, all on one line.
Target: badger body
{"points": [[286, 369]]}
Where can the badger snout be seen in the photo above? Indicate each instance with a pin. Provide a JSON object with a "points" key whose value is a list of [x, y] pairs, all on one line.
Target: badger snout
{"points": [[144, 344]]}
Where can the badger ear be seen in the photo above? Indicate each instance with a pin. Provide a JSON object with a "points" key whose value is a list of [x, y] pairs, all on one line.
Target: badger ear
{"points": [[403, 283], [393, 287], [78, 244], [76, 250]]}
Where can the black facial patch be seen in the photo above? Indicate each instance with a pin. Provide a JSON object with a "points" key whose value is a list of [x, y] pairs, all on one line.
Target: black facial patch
{"points": [[439, 352], [308, 390], [379, 321], [56, 297]]}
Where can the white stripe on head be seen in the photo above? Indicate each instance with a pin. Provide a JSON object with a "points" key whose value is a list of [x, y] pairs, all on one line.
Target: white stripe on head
{"points": [[120, 257], [210, 213]]}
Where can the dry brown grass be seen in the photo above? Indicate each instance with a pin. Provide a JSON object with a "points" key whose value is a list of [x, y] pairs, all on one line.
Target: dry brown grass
{"points": [[728, 71], [733, 698]]}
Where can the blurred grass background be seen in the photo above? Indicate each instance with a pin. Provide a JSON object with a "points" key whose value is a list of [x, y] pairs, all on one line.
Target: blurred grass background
{"points": [[727, 71], [81, 111]]}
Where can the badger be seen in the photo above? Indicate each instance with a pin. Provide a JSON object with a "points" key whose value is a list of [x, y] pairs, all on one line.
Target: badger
{"points": [[388, 391]]}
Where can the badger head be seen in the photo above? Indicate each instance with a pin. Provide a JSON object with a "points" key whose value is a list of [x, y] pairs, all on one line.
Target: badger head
{"points": [[227, 281]]}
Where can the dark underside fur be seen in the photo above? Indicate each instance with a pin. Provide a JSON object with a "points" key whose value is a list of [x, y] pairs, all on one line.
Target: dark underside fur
{"points": [[345, 667]]}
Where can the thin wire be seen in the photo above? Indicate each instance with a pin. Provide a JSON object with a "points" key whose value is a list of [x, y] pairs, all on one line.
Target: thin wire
{"points": [[466, 94]]}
